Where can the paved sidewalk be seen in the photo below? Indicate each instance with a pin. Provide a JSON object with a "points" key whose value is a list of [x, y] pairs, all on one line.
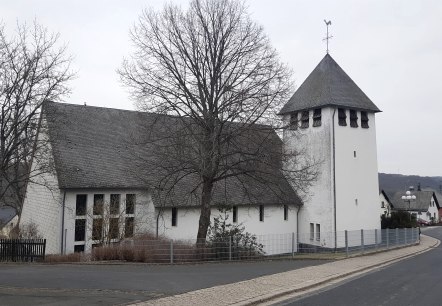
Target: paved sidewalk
{"points": [[269, 287]]}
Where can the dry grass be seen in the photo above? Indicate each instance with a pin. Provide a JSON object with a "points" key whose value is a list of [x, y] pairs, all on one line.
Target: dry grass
{"points": [[74, 257]]}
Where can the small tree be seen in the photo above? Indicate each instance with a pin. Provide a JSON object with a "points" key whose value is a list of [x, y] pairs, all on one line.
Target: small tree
{"points": [[227, 238]]}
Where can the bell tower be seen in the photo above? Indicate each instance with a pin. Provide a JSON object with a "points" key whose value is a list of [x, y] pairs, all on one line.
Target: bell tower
{"points": [[331, 119]]}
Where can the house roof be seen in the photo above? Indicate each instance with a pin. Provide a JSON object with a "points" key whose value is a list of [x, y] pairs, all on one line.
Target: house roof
{"points": [[6, 214], [422, 203], [328, 85], [97, 147]]}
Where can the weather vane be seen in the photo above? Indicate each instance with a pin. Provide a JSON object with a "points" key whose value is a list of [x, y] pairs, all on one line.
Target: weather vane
{"points": [[328, 37]]}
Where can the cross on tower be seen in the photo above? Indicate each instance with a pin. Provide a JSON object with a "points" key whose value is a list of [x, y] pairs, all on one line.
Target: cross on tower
{"points": [[327, 23]]}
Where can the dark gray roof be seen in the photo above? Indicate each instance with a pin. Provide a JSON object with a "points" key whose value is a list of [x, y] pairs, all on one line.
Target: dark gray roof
{"points": [[328, 85], [97, 147], [422, 203], [6, 214]]}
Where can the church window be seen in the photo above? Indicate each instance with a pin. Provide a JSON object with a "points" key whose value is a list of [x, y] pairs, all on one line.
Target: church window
{"points": [[294, 121], [235, 214], [114, 204], [353, 119], [114, 228], [174, 216], [312, 231], [317, 117], [98, 204], [261, 213], [97, 229], [80, 206], [79, 248], [80, 229], [354, 154], [130, 203], [342, 117], [129, 227], [286, 212], [304, 119], [318, 232], [364, 120]]}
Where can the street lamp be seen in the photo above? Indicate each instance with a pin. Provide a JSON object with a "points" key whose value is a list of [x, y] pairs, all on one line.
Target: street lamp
{"points": [[408, 197]]}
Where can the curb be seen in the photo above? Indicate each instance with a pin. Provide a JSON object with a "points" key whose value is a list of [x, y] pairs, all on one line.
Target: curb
{"points": [[280, 294]]}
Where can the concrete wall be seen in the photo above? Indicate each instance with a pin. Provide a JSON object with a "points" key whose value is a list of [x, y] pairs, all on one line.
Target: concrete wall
{"points": [[274, 232], [42, 205], [357, 197], [357, 186]]}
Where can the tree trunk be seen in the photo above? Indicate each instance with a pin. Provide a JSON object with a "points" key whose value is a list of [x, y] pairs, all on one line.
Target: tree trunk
{"points": [[204, 222]]}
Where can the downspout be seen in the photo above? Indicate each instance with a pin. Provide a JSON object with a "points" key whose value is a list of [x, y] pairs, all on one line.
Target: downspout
{"points": [[297, 228], [62, 223], [334, 178]]}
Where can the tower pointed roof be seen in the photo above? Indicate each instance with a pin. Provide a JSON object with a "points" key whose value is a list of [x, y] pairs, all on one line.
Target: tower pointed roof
{"points": [[328, 85]]}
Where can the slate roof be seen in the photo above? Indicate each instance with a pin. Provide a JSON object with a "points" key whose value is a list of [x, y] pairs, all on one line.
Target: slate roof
{"points": [[328, 85], [422, 203], [97, 147]]}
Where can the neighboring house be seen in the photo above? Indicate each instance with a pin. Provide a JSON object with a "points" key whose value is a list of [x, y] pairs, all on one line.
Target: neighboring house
{"points": [[336, 121], [8, 219], [100, 165], [386, 206], [425, 208]]}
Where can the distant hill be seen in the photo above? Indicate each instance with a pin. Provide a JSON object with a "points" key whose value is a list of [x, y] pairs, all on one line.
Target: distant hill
{"points": [[399, 182]]}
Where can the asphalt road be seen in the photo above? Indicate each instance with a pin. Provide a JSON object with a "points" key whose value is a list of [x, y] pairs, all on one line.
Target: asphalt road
{"points": [[415, 281], [72, 284]]}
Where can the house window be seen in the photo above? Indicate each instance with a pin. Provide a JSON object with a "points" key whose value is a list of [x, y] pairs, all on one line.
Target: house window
{"points": [[79, 248], [364, 120], [97, 229], [129, 227], [354, 154], [318, 232], [419, 213], [114, 229], [342, 117], [174, 216], [114, 204], [312, 231], [304, 119], [317, 117], [80, 229], [286, 212], [98, 204], [261, 213], [294, 121], [353, 119], [80, 206], [130, 203], [235, 214], [383, 204]]}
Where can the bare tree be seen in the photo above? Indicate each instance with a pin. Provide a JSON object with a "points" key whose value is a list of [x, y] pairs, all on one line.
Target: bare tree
{"points": [[214, 70], [33, 69]]}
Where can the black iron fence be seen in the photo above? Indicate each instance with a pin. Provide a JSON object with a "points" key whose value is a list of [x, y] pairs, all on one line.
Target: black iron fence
{"points": [[22, 249]]}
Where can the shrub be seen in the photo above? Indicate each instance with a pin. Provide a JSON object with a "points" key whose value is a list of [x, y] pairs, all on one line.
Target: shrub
{"points": [[399, 219], [227, 239]]}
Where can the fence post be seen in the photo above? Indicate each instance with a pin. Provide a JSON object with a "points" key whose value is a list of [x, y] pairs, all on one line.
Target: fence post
{"points": [[376, 239], [397, 236], [346, 243], [362, 241], [293, 244], [230, 247], [388, 237], [405, 236], [171, 251]]}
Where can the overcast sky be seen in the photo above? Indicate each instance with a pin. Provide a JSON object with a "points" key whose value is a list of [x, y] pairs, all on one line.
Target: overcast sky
{"points": [[391, 49]]}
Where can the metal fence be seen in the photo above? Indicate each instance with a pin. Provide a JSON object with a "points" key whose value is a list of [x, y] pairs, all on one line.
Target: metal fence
{"points": [[290, 245], [22, 249]]}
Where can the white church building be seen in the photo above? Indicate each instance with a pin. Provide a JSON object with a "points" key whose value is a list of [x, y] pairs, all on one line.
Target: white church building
{"points": [[97, 174]]}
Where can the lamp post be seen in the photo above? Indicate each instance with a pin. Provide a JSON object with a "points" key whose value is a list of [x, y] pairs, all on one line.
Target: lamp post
{"points": [[408, 197]]}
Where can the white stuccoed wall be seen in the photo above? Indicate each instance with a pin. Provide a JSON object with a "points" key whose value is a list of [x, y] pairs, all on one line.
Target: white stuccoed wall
{"points": [[274, 232], [144, 214], [386, 210], [42, 206], [356, 178]]}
